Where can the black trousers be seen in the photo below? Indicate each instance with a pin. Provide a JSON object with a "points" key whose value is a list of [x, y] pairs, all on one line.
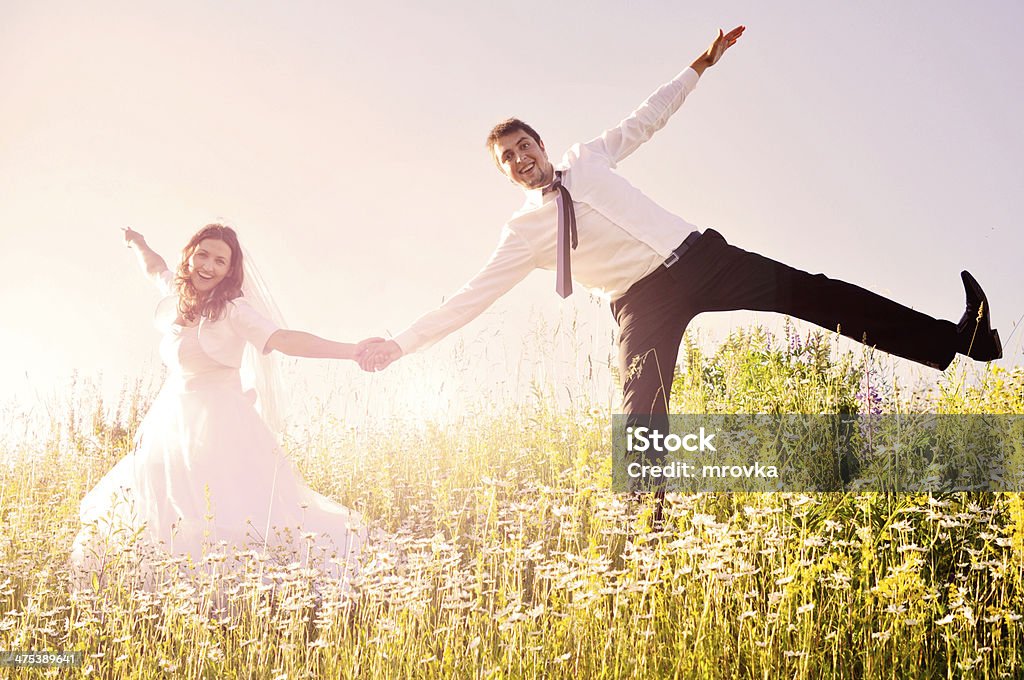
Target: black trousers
{"points": [[713, 276]]}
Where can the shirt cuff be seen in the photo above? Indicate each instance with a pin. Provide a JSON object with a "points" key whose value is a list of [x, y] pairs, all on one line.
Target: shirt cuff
{"points": [[688, 77], [408, 341]]}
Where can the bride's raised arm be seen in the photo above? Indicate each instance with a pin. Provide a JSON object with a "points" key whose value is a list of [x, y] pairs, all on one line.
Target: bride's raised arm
{"points": [[149, 261]]}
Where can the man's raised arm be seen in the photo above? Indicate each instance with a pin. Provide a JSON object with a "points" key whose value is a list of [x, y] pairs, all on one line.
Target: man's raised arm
{"points": [[625, 138]]}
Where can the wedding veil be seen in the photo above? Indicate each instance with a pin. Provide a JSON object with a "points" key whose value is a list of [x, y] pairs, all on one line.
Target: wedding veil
{"points": [[261, 372]]}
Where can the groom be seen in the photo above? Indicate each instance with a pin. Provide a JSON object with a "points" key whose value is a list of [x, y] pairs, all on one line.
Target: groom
{"points": [[661, 271]]}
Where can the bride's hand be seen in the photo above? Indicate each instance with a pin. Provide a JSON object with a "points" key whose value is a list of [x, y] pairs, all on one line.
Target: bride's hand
{"points": [[377, 356], [132, 237]]}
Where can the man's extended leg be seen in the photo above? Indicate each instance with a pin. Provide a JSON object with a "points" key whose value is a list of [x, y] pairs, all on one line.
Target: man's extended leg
{"points": [[717, 276]]}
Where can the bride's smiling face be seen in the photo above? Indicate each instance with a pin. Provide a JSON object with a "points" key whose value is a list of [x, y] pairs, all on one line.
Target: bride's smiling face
{"points": [[209, 264]]}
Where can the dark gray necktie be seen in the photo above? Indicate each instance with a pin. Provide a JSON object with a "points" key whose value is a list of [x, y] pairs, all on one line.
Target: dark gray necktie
{"points": [[566, 236]]}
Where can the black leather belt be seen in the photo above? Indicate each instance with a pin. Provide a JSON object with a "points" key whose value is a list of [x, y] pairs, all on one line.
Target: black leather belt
{"points": [[681, 250]]}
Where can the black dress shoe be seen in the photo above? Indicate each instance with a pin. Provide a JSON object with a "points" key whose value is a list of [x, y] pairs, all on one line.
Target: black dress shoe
{"points": [[974, 334]]}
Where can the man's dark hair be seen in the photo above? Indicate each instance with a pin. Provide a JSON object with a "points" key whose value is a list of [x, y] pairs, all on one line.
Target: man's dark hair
{"points": [[506, 126]]}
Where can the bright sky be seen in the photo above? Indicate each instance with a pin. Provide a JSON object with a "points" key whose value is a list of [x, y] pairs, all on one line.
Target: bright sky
{"points": [[877, 142]]}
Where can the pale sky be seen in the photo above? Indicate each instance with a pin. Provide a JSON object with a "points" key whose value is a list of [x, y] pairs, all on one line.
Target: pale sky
{"points": [[877, 142]]}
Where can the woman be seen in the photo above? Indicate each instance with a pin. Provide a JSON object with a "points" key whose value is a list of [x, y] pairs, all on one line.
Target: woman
{"points": [[206, 468]]}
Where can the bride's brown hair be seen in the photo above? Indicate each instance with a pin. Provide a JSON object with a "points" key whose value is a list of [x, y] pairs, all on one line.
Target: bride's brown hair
{"points": [[190, 305]]}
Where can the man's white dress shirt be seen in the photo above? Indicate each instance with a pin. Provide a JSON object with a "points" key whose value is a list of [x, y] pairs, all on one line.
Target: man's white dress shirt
{"points": [[623, 234]]}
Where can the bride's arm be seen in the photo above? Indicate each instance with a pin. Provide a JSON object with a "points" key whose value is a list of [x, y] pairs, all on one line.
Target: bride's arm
{"points": [[151, 263], [301, 344]]}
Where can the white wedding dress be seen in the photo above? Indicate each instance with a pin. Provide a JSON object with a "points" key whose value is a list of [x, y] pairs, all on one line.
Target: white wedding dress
{"points": [[206, 471]]}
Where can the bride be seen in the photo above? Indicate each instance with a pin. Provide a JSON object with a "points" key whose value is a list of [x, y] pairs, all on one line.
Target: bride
{"points": [[206, 469]]}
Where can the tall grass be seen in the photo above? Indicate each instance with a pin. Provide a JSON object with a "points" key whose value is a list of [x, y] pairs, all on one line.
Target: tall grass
{"points": [[510, 556]]}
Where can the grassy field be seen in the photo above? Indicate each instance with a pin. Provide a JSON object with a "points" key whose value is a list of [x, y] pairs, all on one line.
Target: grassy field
{"points": [[512, 558]]}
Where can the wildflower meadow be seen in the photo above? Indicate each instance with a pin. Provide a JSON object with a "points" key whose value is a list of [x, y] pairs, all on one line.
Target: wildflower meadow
{"points": [[508, 555]]}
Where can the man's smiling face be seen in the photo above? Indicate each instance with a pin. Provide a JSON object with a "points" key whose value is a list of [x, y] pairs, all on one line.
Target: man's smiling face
{"points": [[523, 160]]}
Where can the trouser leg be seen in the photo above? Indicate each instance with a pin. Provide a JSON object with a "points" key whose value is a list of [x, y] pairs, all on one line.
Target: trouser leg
{"points": [[652, 320], [719, 277], [647, 366]]}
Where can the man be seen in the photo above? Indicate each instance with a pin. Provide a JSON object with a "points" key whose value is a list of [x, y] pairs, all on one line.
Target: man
{"points": [[659, 270]]}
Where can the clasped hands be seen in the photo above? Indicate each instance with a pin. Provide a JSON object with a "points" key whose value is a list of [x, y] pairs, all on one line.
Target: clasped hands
{"points": [[376, 354]]}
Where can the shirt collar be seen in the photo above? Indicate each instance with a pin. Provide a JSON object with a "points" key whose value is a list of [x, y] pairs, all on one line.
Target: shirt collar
{"points": [[538, 197]]}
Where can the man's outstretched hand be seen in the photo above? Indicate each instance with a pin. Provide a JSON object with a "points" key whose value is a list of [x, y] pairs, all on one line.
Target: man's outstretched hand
{"points": [[723, 42], [376, 356]]}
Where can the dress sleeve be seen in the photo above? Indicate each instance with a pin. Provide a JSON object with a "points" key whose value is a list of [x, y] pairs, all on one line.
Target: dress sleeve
{"points": [[255, 328], [164, 282]]}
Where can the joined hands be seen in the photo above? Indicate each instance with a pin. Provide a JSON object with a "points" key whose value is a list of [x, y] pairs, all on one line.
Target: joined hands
{"points": [[376, 354]]}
